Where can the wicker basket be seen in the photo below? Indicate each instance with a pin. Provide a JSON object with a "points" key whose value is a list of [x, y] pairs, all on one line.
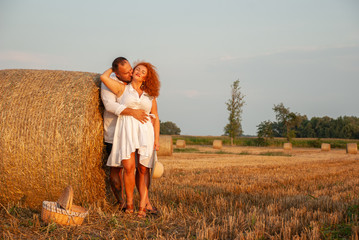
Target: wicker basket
{"points": [[63, 212]]}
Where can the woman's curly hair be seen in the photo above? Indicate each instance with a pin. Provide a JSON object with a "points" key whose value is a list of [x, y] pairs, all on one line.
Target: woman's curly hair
{"points": [[152, 83]]}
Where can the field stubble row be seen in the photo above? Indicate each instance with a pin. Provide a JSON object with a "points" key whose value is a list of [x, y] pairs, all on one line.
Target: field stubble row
{"points": [[306, 194]]}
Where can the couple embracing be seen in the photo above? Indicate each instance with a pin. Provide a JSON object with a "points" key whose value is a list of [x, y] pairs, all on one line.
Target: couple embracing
{"points": [[131, 129]]}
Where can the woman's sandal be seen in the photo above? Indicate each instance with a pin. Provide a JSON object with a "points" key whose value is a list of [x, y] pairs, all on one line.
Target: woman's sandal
{"points": [[129, 209], [141, 212], [153, 211]]}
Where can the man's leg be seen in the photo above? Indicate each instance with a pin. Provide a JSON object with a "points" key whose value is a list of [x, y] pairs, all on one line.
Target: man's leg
{"points": [[116, 179]]}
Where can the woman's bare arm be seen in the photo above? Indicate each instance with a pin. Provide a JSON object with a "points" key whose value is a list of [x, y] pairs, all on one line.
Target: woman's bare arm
{"points": [[115, 86], [156, 124]]}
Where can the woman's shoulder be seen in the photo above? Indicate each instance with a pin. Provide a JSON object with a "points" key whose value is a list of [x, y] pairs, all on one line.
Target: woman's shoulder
{"points": [[148, 96]]}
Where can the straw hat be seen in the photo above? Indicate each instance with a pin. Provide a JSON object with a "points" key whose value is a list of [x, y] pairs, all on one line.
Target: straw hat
{"points": [[158, 170], [66, 198]]}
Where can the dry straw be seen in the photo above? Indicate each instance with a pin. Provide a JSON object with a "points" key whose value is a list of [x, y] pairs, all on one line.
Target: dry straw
{"points": [[158, 170], [287, 146], [325, 147], [217, 144], [166, 146], [51, 136], [180, 143], [352, 148]]}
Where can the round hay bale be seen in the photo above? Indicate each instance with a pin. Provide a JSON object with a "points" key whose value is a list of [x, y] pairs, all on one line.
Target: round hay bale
{"points": [[352, 148], [325, 147], [166, 146], [158, 170], [217, 144], [287, 146], [51, 136], [180, 143]]}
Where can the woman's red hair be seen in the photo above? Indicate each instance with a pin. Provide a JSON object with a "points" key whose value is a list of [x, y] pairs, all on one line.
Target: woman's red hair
{"points": [[152, 83]]}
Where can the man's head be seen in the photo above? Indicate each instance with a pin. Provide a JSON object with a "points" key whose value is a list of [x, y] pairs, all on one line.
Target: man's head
{"points": [[122, 68]]}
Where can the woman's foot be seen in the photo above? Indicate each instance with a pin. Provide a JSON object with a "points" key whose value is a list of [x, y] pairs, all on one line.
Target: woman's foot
{"points": [[141, 212], [129, 209]]}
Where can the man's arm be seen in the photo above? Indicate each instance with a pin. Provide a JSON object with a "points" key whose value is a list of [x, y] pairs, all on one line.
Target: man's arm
{"points": [[139, 114], [109, 101]]}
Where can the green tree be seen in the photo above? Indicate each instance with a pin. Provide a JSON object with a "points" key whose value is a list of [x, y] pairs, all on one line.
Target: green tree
{"points": [[289, 120], [265, 130], [169, 128], [305, 130], [234, 106]]}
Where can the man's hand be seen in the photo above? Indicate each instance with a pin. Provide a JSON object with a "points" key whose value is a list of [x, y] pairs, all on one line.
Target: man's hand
{"points": [[140, 115]]}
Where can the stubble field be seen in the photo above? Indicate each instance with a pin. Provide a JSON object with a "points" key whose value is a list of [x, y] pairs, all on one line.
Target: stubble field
{"points": [[232, 193]]}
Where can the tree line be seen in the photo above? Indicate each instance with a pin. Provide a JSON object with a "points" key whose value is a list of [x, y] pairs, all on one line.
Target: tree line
{"points": [[289, 124]]}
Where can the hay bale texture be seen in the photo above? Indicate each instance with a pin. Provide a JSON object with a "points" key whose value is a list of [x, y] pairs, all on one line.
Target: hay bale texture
{"points": [[166, 146], [352, 148], [217, 144], [180, 143], [51, 136], [325, 147], [287, 146]]}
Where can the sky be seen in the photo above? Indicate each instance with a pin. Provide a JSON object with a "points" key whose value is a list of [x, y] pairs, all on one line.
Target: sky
{"points": [[304, 54]]}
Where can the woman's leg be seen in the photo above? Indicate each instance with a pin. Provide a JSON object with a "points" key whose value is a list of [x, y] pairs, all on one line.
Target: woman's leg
{"points": [[151, 209], [129, 178], [142, 186], [147, 181]]}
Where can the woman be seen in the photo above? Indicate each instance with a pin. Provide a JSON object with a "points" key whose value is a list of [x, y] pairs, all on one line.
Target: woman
{"points": [[131, 136]]}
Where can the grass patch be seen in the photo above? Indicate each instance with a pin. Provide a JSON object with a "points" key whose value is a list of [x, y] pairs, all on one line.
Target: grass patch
{"points": [[185, 150], [337, 231], [221, 152], [273, 142], [244, 153], [275, 154]]}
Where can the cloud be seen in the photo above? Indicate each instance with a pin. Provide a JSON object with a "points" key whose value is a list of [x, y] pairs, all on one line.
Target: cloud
{"points": [[298, 49], [192, 93], [23, 57], [26, 59], [227, 58]]}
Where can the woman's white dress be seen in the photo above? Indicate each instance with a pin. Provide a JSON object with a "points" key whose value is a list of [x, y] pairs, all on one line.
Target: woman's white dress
{"points": [[131, 134]]}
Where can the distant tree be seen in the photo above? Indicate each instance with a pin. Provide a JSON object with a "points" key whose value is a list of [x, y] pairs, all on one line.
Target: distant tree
{"points": [[288, 119], [169, 128], [291, 125], [265, 130], [305, 129], [234, 106]]}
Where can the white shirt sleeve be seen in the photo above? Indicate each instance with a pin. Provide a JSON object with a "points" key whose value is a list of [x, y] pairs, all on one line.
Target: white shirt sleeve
{"points": [[109, 100]]}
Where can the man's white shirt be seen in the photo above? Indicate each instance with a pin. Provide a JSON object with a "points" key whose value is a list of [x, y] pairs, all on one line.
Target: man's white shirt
{"points": [[112, 110]]}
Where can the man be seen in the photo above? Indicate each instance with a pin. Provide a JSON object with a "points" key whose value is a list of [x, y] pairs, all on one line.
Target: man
{"points": [[122, 72]]}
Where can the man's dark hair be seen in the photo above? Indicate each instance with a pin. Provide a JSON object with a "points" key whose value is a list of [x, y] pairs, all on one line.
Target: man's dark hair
{"points": [[117, 61]]}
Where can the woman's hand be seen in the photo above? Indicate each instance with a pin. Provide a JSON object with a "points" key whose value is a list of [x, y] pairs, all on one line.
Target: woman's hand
{"points": [[156, 145]]}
